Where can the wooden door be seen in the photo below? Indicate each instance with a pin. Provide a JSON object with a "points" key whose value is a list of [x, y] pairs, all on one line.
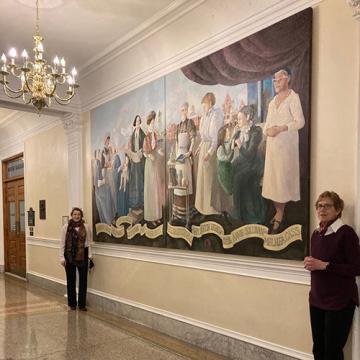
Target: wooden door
{"points": [[14, 226]]}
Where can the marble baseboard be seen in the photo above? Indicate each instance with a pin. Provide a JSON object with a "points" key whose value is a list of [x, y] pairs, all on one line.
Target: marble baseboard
{"points": [[227, 346], [53, 286], [206, 339]]}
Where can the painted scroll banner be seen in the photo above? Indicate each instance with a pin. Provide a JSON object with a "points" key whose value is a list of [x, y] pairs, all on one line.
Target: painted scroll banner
{"points": [[275, 242], [118, 231]]}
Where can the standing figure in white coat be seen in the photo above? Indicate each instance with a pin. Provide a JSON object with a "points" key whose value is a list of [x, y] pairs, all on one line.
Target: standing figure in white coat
{"points": [[206, 183], [281, 182]]}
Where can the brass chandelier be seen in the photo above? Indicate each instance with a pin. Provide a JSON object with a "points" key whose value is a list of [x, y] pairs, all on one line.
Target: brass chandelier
{"points": [[38, 81]]}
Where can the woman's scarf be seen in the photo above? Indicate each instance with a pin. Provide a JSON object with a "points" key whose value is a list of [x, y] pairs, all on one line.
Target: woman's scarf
{"points": [[75, 243], [244, 133]]}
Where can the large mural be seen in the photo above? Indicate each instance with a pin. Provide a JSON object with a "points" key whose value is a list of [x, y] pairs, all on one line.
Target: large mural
{"points": [[214, 156]]}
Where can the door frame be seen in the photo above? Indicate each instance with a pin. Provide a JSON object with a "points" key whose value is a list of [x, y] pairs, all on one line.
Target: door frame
{"points": [[5, 180]]}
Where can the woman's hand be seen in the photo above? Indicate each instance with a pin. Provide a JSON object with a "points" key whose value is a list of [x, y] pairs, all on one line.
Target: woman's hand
{"points": [[311, 264], [275, 130]]}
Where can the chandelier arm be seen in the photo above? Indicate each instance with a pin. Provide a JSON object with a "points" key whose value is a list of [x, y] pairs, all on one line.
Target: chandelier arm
{"points": [[29, 89], [12, 95], [13, 69], [62, 79], [62, 101], [8, 88]]}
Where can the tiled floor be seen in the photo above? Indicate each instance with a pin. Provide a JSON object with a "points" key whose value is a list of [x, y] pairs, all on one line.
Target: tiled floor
{"points": [[36, 324]]}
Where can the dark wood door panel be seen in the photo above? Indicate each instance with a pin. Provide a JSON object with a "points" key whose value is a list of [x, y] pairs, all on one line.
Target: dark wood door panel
{"points": [[14, 226]]}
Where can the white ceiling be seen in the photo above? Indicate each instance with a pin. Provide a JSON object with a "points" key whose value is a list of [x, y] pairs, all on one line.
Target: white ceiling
{"points": [[76, 29]]}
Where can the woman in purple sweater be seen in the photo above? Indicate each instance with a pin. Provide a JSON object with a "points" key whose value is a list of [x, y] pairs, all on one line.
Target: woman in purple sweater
{"points": [[334, 263]]}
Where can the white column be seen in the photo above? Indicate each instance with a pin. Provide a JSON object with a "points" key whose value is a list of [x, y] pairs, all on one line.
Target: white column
{"points": [[355, 5], [74, 132]]}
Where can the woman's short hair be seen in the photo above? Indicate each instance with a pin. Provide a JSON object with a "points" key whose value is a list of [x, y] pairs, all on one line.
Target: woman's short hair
{"points": [[77, 209], [248, 110], [209, 98], [334, 197], [134, 122], [150, 117]]}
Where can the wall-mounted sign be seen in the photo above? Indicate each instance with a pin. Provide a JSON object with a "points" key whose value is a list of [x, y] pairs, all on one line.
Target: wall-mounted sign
{"points": [[31, 217], [42, 209]]}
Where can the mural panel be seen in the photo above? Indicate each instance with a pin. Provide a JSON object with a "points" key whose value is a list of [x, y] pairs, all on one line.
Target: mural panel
{"points": [[214, 156]]}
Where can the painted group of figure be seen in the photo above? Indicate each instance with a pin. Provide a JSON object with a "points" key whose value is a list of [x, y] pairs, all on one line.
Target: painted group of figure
{"points": [[130, 181], [233, 175]]}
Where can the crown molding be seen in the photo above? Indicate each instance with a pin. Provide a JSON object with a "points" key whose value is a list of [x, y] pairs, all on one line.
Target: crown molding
{"points": [[161, 19], [15, 144], [266, 17], [5, 121]]}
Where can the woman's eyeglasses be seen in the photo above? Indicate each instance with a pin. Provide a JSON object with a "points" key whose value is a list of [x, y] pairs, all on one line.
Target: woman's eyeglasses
{"points": [[324, 206]]}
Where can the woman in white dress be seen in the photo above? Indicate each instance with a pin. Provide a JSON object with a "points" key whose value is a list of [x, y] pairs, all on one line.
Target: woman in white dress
{"points": [[281, 182], [153, 187], [206, 199]]}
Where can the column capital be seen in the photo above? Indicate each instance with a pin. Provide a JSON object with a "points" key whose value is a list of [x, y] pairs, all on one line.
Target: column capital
{"points": [[71, 122], [355, 5]]}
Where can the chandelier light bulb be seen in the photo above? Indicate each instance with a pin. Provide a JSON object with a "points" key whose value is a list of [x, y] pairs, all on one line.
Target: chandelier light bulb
{"points": [[24, 54], [13, 53], [70, 80], [56, 61], [62, 62], [73, 72], [3, 58]]}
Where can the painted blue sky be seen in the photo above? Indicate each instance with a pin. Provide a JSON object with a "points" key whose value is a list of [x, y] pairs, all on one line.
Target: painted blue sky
{"points": [[116, 116]]}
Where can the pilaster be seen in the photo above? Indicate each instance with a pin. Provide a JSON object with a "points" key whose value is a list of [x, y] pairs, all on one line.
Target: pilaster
{"points": [[74, 132]]}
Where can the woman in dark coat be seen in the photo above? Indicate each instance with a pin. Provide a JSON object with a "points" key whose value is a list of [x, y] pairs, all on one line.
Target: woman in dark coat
{"points": [[75, 251], [334, 263], [247, 168], [136, 179]]}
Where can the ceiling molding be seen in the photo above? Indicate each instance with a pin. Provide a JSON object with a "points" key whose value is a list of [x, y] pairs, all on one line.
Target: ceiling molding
{"points": [[267, 17], [13, 116], [163, 18], [11, 145]]}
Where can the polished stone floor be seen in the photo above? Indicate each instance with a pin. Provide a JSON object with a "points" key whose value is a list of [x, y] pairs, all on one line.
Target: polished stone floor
{"points": [[36, 324]]}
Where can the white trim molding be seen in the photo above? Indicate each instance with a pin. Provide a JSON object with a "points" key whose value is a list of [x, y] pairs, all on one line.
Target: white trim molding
{"points": [[262, 268]]}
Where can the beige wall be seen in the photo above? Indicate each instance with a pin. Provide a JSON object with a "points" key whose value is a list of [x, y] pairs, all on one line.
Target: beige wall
{"points": [[334, 103], [45, 260], [268, 310], [46, 178]]}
